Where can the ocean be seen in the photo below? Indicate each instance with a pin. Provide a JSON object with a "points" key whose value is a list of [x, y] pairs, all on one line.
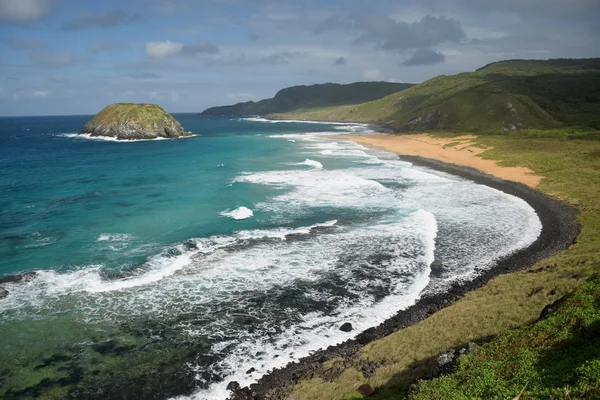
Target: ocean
{"points": [[172, 267]]}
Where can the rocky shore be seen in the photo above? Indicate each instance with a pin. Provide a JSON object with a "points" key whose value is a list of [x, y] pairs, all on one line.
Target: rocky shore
{"points": [[559, 231]]}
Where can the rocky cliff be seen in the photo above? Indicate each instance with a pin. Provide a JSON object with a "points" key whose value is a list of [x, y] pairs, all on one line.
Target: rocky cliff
{"points": [[126, 121]]}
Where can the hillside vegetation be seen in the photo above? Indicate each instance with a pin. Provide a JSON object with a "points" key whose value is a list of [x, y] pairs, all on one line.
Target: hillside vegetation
{"points": [[322, 95], [507, 95]]}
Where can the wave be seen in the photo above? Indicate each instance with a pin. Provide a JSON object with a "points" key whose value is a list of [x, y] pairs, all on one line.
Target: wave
{"points": [[310, 163], [283, 121], [87, 136], [318, 329], [114, 237], [238, 213]]}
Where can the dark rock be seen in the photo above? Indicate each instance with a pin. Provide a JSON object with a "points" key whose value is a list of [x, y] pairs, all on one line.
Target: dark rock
{"points": [[347, 327], [535, 291], [3, 293], [445, 363], [366, 390], [551, 308], [233, 385], [26, 277], [471, 347], [251, 370]]}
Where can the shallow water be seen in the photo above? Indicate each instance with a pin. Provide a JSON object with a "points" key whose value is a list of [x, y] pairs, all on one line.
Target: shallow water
{"points": [[178, 265]]}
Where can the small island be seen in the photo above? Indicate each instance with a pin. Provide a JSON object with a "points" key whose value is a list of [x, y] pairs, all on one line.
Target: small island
{"points": [[128, 121]]}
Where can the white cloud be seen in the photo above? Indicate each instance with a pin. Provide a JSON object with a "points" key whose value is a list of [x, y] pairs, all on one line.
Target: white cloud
{"points": [[167, 48], [41, 93], [163, 49], [23, 11], [371, 75]]}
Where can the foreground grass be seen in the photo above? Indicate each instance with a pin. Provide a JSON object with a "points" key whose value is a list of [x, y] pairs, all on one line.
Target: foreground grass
{"points": [[535, 357]]}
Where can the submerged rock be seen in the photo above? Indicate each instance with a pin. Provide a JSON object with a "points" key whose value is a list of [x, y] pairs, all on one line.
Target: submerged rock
{"points": [[26, 277], [127, 121]]}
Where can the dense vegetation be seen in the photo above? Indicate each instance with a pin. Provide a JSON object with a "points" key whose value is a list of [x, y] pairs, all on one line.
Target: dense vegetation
{"points": [[328, 94], [508, 95], [557, 357]]}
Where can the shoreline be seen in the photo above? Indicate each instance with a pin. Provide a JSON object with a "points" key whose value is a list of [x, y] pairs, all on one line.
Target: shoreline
{"points": [[459, 150], [559, 231]]}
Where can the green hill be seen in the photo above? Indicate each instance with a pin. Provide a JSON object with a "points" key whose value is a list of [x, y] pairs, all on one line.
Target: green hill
{"points": [[507, 95], [328, 94]]}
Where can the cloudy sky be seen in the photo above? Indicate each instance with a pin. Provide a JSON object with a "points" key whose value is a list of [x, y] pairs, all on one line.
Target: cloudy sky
{"points": [[76, 56]]}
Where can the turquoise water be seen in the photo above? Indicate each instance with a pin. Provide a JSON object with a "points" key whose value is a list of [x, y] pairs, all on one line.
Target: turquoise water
{"points": [[170, 267]]}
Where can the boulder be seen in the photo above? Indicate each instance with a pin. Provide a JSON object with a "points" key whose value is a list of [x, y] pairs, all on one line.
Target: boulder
{"points": [[347, 327], [366, 390], [127, 121]]}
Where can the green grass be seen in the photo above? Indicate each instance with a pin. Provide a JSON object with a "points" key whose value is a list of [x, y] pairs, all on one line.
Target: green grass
{"points": [[505, 309], [557, 358], [505, 96]]}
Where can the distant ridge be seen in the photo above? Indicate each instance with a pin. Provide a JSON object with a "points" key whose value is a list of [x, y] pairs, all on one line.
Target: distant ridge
{"points": [[502, 96], [320, 95]]}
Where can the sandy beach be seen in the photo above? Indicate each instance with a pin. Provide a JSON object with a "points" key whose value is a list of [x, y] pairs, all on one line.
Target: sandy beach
{"points": [[461, 152]]}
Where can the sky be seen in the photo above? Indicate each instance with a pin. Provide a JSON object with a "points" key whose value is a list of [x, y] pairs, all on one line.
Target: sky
{"points": [[63, 57]]}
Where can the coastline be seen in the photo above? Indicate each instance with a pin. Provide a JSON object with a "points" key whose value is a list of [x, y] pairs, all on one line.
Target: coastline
{"points": [[559, 230], [459, 150]]}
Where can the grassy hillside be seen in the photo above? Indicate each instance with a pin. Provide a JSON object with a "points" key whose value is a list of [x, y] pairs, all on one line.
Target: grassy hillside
{"points": [[503, 96], [554, 358], [328, 94]]}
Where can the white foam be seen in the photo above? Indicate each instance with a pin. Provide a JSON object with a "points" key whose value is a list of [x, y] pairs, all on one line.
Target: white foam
{"points": [[88, 136], [310, 163], [282, 233], [318, 330], [238, 213], [114, 237], [283, 121]]}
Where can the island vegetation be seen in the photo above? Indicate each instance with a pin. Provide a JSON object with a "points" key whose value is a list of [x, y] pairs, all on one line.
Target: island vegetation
{"points": [[127, 121]]}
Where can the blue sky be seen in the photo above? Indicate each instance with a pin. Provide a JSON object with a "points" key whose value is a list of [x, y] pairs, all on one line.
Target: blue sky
{"points": [[75, 57]]}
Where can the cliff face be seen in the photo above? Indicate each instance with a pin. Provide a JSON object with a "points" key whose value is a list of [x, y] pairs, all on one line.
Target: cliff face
{"points": [[126, 121]]}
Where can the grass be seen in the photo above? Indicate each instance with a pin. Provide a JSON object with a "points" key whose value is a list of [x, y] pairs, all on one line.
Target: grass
{"points": [[506, 308], [506, 96]]}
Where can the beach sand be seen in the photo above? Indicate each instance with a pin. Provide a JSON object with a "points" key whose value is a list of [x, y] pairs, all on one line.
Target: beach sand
{"points": [[464, 153]]}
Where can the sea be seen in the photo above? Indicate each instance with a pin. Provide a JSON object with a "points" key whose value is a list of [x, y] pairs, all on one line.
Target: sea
{"points": [[172, 267]]}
